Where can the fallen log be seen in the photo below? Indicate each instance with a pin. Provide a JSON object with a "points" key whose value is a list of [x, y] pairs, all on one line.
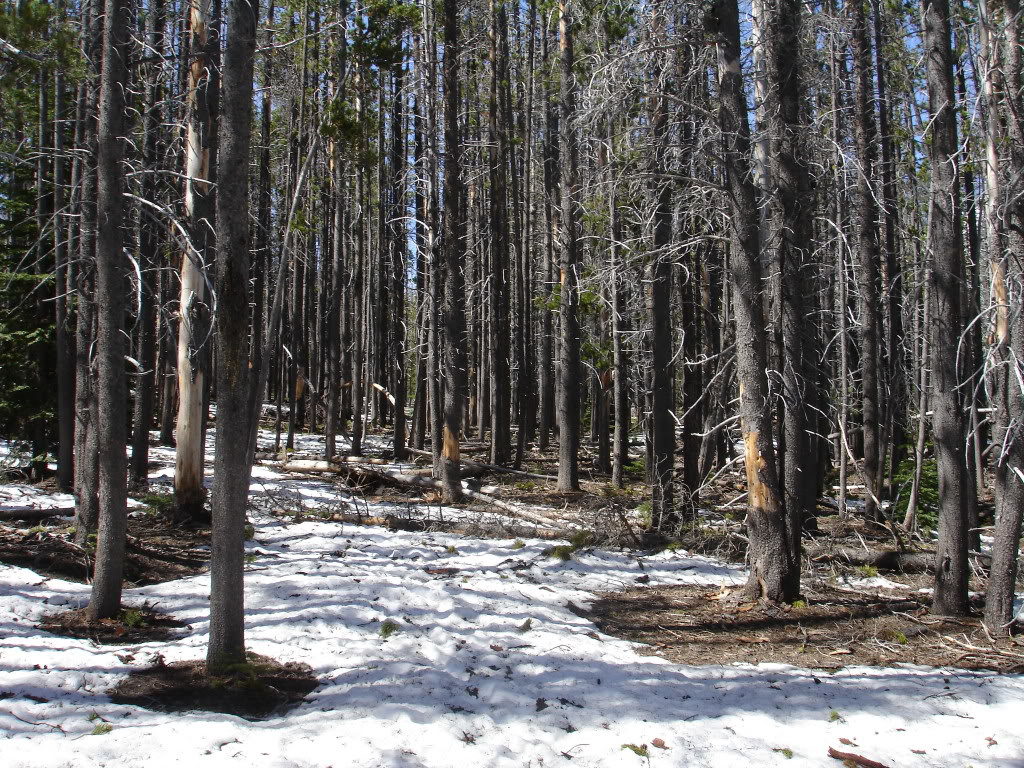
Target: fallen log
{"points": [[401, 479], [890, 560], [883, 560], [491, 467], [404, 476], [29, 514]]}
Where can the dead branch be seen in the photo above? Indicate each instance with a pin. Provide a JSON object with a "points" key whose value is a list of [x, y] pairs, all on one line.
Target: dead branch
{"points": [[855, 759]]}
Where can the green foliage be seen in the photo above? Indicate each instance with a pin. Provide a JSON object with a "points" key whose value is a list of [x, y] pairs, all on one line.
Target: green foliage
{"points": [[564, 552], [786, 752], [867, 571], [161, 503], [636, 467], [928, 492], [561, 552], [645, 510], [518, 544], [101, 729], [388, 628], [377, 39], [834, 716], [133, 618], [526, 485], [640, 750]]}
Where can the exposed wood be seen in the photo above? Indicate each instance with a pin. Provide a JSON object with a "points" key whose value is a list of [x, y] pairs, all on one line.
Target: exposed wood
{"points": [[856, 759]]}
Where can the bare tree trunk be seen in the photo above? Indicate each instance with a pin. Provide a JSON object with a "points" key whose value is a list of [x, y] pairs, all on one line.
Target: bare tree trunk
{"points": [[232, 461], [774, 567], [148, 254], [111, 270], [945, 277], [454, 254], [1005, 103], [791, 188], [193, 313], [86, 441], [568, 410], [866, 227], [664, 516]]}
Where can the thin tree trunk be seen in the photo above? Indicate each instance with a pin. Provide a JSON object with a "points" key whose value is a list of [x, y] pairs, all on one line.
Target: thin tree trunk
{"points": [[454, 254], [568, 410]]}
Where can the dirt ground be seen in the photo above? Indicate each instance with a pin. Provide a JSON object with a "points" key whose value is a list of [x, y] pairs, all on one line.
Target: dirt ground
{"points": [[133, 625], [831, 628], [156, 552], [259, 688]]}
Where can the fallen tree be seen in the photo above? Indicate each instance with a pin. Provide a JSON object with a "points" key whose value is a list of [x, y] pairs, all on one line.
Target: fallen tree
{"points": [[30, 514], [885, 559], [400, 479]]}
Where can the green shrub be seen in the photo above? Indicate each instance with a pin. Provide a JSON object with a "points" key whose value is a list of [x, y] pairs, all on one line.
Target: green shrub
{"points": [[928, 493]]}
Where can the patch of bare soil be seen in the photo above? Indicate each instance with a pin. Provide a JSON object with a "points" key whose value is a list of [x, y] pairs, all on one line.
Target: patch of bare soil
{"points": [[833, 628], [259, 688], [132, 625], [156, 551]]}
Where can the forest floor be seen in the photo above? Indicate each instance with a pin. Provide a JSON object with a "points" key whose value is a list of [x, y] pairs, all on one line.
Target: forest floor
{"points": [[441, 636]]}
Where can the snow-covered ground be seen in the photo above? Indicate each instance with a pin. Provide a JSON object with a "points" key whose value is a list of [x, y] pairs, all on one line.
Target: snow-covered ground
{"points": [[490, 666]]}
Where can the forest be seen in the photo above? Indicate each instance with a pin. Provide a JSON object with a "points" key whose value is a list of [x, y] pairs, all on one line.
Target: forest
{"points": [[732, 284]]}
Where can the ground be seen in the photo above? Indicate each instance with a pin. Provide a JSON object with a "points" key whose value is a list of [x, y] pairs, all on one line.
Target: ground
{"points": [[435, 648]]}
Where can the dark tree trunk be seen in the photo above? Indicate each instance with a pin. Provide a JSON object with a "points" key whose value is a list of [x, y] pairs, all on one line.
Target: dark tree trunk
{"points": [[232, 465], [1006, 242], [454, 254], [568, 410], [111, 271], [142, 419], [774, 566], [791, 193], [664, 516], [86, 441], [945, 276], [865, 220]]}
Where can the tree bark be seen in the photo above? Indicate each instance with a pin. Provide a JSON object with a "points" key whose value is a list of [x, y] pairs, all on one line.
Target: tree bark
{"points": [[454, 255], [193, 313], [568, 410], [945, 276], [774, 566], [111, 270], [232, 462]]}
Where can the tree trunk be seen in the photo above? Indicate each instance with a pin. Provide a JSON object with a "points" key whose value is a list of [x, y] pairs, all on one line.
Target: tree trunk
{"points": [[142, 418], [945, 277], [774, 566], [454, 255], [568, 410], [1003, 83], [111, 271], [193, 313], [865, 221], [232, 461]]}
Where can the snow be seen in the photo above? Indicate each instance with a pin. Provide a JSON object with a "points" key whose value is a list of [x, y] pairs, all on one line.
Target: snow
{"points": [[491, 666]]}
